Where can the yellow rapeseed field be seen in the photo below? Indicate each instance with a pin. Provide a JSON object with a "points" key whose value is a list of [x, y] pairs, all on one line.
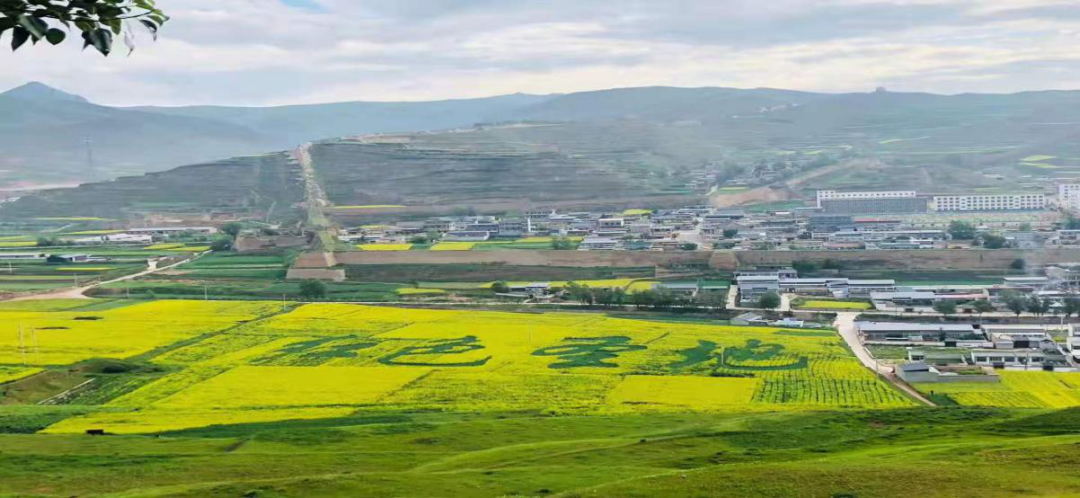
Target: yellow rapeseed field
{"points": [[11, 374], [159, 247], [294, 386], [412, 291], [453, 246], [654, 392], [384, 247], [151, 421], [63, 337], [346, 358], [1017, 389], [25, 243]]}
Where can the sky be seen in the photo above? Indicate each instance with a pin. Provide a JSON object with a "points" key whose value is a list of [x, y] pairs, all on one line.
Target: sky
{"points": [[276, 52]]}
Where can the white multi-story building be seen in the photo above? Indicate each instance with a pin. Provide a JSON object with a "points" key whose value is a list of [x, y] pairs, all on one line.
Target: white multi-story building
{"points": [[1009, 202], [834, 195], [1069, 195]]}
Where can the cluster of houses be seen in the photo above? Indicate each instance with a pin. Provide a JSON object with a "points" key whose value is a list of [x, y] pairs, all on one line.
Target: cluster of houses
{"points": [[752, 284], [1060, 282], [140, 236], [837, 221], [630, 230], [939, 352]]}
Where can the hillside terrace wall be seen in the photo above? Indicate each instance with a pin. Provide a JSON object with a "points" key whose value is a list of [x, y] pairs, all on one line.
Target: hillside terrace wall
{"points": [[944, 259], [512, 257]]}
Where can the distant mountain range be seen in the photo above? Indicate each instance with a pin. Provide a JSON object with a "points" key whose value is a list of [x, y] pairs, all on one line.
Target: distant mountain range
{"points": [[50, 136]]}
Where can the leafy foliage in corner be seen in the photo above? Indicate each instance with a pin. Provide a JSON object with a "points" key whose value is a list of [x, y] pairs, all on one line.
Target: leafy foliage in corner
{"points": [[97, 20]]}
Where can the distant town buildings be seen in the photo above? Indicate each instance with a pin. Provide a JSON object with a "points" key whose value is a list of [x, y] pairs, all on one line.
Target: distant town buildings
{"points": [[1011, 202]]}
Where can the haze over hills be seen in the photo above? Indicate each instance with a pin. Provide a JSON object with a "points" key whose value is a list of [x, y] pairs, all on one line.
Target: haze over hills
{"points": [[646, 142]]}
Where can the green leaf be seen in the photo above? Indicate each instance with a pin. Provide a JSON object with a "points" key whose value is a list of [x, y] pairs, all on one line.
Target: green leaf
{"points": [[116, 26], [19, 37], [101, 39], [35, 26], [55, 36], [150, 26]]}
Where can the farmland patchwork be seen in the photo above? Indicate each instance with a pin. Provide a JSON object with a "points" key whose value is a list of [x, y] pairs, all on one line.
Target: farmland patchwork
{"points": [[231, 363]]}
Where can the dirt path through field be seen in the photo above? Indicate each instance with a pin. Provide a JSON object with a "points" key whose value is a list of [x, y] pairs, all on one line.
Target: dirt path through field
{"points": [[80, 292]]}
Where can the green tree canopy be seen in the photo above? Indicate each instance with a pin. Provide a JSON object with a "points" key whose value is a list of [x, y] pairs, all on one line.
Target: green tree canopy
{"points": [[945, 307], [313, 289], [98, 21], [961, 230], [769, 301]]}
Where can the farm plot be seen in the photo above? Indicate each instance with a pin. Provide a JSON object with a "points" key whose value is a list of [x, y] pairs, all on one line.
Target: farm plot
{"points": [[326, 360], [1017, 389], [62, 337], [832, 304]]}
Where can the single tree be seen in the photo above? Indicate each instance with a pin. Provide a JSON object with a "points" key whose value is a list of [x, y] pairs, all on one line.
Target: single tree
{"points": [[712, 300], [561, 244], [1018, 264], [1036, 306], [730, 233], [804, 266], [221, 244], [313, 289], [982, 306], [769, 301], [1070, 306], [232, 229], [689, 246], [500, 287], [97, 21], [1015, 302], [961, 230], [945, 307], [991, 241]]}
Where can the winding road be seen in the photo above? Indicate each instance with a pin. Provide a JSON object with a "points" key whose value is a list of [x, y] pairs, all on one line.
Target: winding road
{"points": [[80, 292], [845, 325]]}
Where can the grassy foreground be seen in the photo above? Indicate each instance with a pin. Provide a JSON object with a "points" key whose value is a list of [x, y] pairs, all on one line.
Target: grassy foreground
{"points": [[919, 451]]}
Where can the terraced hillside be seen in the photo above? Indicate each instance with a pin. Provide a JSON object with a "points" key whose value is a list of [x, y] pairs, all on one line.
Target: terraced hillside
{"points": [[245, 184], [477, 168]]}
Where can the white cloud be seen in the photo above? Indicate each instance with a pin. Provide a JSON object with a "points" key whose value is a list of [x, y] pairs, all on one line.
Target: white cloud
{"points": [[264, 52]]}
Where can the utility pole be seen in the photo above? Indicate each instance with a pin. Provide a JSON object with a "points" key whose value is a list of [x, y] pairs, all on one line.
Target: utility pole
{"points": [[22, 345]]}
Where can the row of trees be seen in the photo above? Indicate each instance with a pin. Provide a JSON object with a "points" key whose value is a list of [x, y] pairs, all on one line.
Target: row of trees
{"points": [[654, 299], [1016, 303]]}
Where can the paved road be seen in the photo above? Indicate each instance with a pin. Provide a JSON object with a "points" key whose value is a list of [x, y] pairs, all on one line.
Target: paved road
{"points": [[845, 324], [80, 292]]}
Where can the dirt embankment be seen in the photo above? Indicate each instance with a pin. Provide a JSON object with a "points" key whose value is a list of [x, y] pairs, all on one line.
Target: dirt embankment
{"points": [[511, 257], [943, 259]]}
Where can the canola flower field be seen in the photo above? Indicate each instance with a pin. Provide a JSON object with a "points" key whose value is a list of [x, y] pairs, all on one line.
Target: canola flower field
{"points": [[244, 362], [1017, 389]]}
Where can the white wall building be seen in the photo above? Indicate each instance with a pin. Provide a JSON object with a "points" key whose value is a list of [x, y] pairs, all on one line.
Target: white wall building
{"points": [[1008, 202], [834, 195], [1069, 195]]}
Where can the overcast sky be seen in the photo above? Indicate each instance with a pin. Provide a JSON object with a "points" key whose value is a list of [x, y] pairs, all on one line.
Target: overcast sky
{"points": [[259, 52]]}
